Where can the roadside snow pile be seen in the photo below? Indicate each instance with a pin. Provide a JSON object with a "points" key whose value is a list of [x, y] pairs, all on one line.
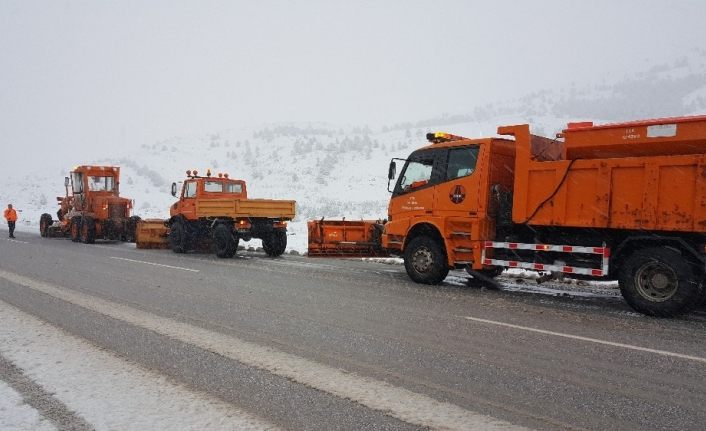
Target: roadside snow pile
{"points": [[385, 260]]}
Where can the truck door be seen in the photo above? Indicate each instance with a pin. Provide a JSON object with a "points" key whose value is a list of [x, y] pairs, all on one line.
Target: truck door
{"points": [[458, 192], [188, 200], [77, 190], [414, 192]]}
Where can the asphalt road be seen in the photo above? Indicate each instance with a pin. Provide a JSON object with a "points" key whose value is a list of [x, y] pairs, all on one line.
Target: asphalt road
{"points": [[341, 344]]}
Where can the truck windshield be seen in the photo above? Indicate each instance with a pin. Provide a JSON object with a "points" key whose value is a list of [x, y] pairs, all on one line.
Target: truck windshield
{"points": [[77, 182], [101, 184], [416, 174], [222, 187]]}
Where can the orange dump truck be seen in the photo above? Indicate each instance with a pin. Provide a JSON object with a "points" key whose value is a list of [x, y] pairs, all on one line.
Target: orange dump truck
{"points": [[622, 202]]}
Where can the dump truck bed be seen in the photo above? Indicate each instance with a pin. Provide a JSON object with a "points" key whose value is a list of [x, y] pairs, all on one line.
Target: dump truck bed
{"points": [[653, 181], [246, 208]]}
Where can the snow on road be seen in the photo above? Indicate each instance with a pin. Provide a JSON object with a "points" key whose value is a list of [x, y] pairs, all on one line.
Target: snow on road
{"points": [[15, 415], [107, 391]]}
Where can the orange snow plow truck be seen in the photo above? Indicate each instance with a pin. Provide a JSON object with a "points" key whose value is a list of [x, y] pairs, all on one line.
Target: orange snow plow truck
{"points": [[622, 202], [215, 212]]}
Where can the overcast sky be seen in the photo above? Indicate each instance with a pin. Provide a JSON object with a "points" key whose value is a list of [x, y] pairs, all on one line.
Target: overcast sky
{"points": [[97, 74]]}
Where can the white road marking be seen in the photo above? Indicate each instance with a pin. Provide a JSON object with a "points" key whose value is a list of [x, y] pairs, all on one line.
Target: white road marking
{"points": [[590, 340], [105, 390], [154, 264], [397, 402], [17, 241]]}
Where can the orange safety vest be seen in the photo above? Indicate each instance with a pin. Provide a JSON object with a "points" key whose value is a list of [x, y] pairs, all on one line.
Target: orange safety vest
{"points": [[10, 214]]}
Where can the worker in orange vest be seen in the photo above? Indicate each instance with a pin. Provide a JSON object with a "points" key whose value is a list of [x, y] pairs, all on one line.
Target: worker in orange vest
{"points": [[11, 217]]}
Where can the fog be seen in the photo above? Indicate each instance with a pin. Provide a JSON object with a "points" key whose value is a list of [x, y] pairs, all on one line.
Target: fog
{"points": [[84, 77]]}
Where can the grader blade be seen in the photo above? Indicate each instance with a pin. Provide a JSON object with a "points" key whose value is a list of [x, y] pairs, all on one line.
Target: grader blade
{"points": [[342, 238], [151, 233]]}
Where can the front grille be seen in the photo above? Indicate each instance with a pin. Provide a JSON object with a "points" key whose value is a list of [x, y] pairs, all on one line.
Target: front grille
{"points": [[117, 211]]}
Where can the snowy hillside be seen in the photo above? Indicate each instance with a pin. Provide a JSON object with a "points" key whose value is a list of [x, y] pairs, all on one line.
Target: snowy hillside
{"points": [[330, 171], [335, 171]]}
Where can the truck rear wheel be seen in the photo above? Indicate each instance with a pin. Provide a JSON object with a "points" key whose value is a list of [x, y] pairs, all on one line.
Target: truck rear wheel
{"points": [[75, 229], [223, 242], [131, 229], [178, 237], [425, 260], [44, 222], [88, 230], [659, 282], [275, 243]]}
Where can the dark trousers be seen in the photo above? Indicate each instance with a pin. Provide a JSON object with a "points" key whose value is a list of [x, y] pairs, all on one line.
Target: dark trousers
{"points": [[11, 226]]}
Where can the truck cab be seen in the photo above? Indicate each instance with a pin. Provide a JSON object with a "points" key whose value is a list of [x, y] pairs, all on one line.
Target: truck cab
{"points": [[195, 189], [446, 198]]}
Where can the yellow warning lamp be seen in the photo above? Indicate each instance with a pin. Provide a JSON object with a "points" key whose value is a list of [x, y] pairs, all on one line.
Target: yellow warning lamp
{"points": [[208, 173], [188, 173], [225, 175], [439, 137]]}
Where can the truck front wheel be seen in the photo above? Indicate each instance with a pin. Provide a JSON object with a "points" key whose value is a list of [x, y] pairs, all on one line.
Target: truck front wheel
{"points": [[275, 243], [223, 243], [659, 282], [75, 229], [425, 260], [178, 237]]}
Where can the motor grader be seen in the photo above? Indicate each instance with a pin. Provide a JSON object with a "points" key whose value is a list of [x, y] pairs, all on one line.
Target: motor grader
{"points": [[215, 212], [91, 208]]}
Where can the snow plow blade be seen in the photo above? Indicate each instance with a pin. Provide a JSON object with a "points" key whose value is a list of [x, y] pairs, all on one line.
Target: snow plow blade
{"points": [[341, 238], [151, 233]]}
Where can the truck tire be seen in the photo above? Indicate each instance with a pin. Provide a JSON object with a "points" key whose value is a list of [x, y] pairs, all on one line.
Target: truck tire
{"points": [[659, 282], [131, 229], [45, 221], [88, 230], [178, 237], [223, 242], [275, 243], [425, 260], [75, 229]]}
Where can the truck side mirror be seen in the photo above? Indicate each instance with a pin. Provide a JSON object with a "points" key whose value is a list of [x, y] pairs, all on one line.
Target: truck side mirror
{"points": [[174, 189], [392, 171], [66, 181]]}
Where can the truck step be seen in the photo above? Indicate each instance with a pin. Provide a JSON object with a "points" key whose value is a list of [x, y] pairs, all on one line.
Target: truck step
{"points": [[460, 233], [463, 250]]}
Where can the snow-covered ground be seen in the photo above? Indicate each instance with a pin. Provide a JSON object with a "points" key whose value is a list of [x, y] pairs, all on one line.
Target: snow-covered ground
{"points": [[16, 415], [103, 389]]}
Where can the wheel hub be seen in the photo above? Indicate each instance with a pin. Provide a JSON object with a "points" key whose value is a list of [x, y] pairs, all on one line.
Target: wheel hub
{"points": [[422, 259], [656, 282]]}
